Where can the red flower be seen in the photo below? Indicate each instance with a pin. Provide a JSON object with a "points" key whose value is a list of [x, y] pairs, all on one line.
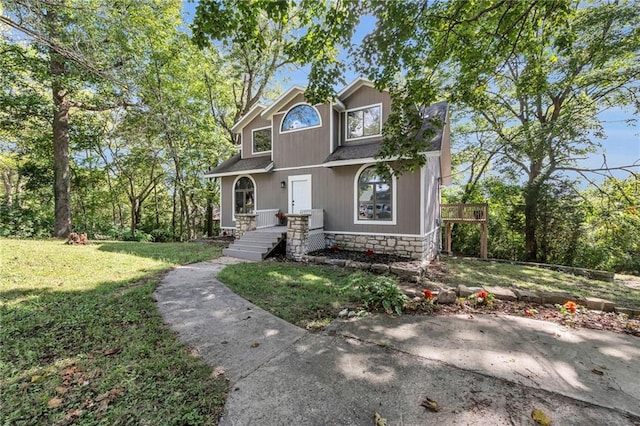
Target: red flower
{"points": [[427, 294], [334, 248], [482, 294], [370, 252], [570, 306]]}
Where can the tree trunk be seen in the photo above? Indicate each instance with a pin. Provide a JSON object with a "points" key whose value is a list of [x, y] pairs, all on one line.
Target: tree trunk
{"points": [[531, 222], [62, 179]]}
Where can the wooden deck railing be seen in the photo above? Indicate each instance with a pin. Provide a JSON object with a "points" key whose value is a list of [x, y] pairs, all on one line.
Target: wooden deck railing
{"points": [[461, 213]]}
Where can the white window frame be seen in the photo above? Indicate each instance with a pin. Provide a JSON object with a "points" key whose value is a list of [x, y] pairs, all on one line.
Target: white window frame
{"points": [[253, 152], [346, 122], [301, 128], [356, 201], [233, 195]]}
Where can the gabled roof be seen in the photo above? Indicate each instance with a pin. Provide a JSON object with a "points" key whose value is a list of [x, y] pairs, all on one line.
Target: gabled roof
{"points": [[287, 97], [352, 87], [253, 113], [236, 165]]}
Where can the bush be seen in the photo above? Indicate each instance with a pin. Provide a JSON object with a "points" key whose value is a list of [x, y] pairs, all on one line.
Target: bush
{"points": [[380, 293], [161, 236]]}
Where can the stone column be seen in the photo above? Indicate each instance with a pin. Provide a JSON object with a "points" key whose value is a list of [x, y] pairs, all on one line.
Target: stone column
{"points": [[245, 223], [297, 235]]}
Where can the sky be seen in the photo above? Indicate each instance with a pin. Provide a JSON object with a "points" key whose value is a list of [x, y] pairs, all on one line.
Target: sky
{"points": [[621, 145]]}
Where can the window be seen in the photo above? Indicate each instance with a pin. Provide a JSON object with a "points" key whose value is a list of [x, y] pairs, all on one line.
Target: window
{"points": [[300, 117], [375, 196], [244, 196], [364, 122], [261, 140]]}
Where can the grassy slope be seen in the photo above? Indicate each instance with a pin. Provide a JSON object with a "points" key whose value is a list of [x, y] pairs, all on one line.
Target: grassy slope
{"points": [[305, 295], [81, 339], [471, 272]]}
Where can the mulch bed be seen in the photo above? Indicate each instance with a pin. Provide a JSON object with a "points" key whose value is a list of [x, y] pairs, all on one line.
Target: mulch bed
{"points": [[437, 273]]}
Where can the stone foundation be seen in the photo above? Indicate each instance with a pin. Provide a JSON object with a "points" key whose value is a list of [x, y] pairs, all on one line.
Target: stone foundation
{"points": [[408, 246]]}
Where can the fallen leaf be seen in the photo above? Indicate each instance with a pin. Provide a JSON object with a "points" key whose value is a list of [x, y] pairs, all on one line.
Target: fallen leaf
{"points": [[116, 392], [61, 390], [54, 403], [35, 378], [598, 372], [102, 396], [430, 404], [540, 417], [112, 351], [378, 420], [255, 344], [74, 413]]}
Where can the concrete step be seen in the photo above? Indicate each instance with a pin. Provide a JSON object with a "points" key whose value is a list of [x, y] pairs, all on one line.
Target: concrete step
{"points": [[252, 245], [241, 254]]}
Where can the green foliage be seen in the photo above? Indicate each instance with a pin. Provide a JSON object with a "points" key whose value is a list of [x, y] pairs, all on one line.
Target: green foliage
{"points": [[79, 324], [379, 293]]}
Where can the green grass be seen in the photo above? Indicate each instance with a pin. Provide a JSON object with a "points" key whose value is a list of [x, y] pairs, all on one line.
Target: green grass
{"points": [[305, 295], [476, 273], [82, 341]]}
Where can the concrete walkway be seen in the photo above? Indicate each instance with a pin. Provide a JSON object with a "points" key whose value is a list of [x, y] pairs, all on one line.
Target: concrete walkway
{"points": [[480, 370]]}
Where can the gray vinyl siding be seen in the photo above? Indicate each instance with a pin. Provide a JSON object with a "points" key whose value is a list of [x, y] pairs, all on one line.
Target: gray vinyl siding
{"points": [[365, 96], [301, 147], [247, 139], [431, 194], [332, 191]]}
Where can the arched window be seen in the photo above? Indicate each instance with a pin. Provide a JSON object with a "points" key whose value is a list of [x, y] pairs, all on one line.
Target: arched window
{"points": [[244, 196], [375, 200], [300, 117]]}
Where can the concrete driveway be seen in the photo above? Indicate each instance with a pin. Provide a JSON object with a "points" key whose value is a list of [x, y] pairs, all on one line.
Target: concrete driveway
{"points": [[480, 370]]}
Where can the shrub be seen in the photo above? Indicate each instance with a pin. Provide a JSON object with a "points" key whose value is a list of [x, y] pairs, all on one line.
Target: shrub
{"points": [[380, 293]]}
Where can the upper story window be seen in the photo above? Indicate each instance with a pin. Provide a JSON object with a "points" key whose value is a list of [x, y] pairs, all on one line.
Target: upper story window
{"points": [[300, 117], [364, 122], [261, 140], [375, 200]]}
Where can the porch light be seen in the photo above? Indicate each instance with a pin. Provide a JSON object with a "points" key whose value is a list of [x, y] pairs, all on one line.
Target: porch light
{"points": [[283, 184]]}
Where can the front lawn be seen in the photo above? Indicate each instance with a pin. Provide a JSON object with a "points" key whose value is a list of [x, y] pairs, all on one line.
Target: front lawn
{"points": [[306, 295], [309, 296], [82, 341]]}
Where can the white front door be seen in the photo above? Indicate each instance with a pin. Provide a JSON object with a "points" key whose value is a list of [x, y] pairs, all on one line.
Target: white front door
{"points": [[299, 193]]}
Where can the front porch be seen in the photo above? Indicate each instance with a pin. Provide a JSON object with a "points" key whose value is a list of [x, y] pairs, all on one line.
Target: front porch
{"points": [[258, 234]]}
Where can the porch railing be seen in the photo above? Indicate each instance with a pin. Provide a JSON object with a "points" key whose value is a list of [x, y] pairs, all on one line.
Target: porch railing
{"points": [[464, 212], [316, 221], [266, 218]]}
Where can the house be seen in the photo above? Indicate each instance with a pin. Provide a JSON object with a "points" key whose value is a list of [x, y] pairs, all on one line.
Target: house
{"points": [[316, 164]]}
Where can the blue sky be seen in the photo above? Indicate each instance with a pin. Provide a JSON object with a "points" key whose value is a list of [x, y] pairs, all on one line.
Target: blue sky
{"points": [[621, 145]]}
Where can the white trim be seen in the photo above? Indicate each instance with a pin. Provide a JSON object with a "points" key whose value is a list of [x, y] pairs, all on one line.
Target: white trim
{"points": [[282, 132], [292, 178], [338, 105], [285, 98], [330, 127], [373, 234], [356, 202], [423, 170], [353, 86], [346, 123], [233, 195], [357, 161], [245, 119], [244, 172], [253, 145]]}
